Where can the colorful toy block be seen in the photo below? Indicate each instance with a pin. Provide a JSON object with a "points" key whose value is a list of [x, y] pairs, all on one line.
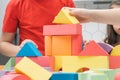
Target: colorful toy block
{"points": [[66, 29], [29, 49], [58, 63], [75, 63], [1, 67], [117, 76], [108, 48], [84, 75], [64, 76], [58, 35], [115, 51], [97, 77], [108, 72], [32, 70], [11, 63], [64, 17], [93, 49], [44, 61], [14, 77], [114, 62]]}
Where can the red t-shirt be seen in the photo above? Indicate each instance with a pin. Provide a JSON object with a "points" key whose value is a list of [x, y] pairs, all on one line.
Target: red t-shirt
{"points": [[30, 16]]}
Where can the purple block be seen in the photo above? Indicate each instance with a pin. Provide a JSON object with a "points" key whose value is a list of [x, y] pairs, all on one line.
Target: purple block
{"points": [[106, 47]]}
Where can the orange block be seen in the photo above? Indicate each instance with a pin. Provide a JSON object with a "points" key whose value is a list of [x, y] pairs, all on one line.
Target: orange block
{"points": [[61, 45], [1, 67], [93, 49], [114, 62], [66, 29], [48, 45]]}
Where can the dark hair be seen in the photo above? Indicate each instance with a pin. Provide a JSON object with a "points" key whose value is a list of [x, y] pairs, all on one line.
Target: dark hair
{"points": [[111, 37], [116, 2]]}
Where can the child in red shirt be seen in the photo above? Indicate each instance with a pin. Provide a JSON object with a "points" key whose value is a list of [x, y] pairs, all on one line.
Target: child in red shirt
{"points": [[29, 16]]}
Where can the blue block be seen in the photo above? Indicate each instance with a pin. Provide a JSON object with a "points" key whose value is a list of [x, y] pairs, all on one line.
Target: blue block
{"points": [[29, 49], [64, 76]]}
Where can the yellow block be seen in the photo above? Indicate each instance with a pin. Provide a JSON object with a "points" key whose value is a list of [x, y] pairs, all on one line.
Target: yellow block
{"points": [[58, 63], [115, 51], [75, 63], [32, 70], [61, 45], [48, 45], [64, 17]]}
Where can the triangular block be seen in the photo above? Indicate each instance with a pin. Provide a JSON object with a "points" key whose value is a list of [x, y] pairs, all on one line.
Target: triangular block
{"points": [[93, 49], [29, 49], [64, 17], [106, 47], [10, 64]]}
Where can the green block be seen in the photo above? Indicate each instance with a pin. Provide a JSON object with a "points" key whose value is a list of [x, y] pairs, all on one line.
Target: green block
{"points": [[84, 75], [108, 72], [96, 76], [10, 64]]}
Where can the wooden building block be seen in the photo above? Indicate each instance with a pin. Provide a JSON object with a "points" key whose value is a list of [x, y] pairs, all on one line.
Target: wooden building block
{"points": [[14, 77], [29, 49], [75, 63], [66, 29], [48, 45], [32, 70], [64, 17], [64, 76], [61, 45], [115, 51], [93, 49], [114, 62]]}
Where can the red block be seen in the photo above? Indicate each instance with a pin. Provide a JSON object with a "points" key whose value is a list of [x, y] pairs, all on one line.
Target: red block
{"points": [[44, 61], [76, 45], [114, 62], [66, 29], [93, 49], [14, 77], [117, 76]]}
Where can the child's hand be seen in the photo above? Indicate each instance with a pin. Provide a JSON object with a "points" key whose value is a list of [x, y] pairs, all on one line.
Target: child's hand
{"points": [[86, 42], [27, 40]]}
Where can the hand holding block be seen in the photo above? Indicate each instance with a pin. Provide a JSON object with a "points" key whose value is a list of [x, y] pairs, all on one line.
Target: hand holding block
{"points": [[64, 17], [32, 70]]}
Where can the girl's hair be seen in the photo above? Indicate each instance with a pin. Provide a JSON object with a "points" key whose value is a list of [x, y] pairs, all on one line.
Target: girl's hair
{"points": [[111, 37]]}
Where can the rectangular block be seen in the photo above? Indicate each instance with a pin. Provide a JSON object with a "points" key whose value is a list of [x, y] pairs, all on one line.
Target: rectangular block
{"points": [[76, 45], [44, 61], [64, 76], [32, 70], [114, 62], [61, 45], [75, 63], [48, 45], [66, 29]]}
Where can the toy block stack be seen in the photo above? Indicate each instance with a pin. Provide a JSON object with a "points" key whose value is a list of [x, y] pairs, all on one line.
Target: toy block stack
{"points": [[64, 58]]}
